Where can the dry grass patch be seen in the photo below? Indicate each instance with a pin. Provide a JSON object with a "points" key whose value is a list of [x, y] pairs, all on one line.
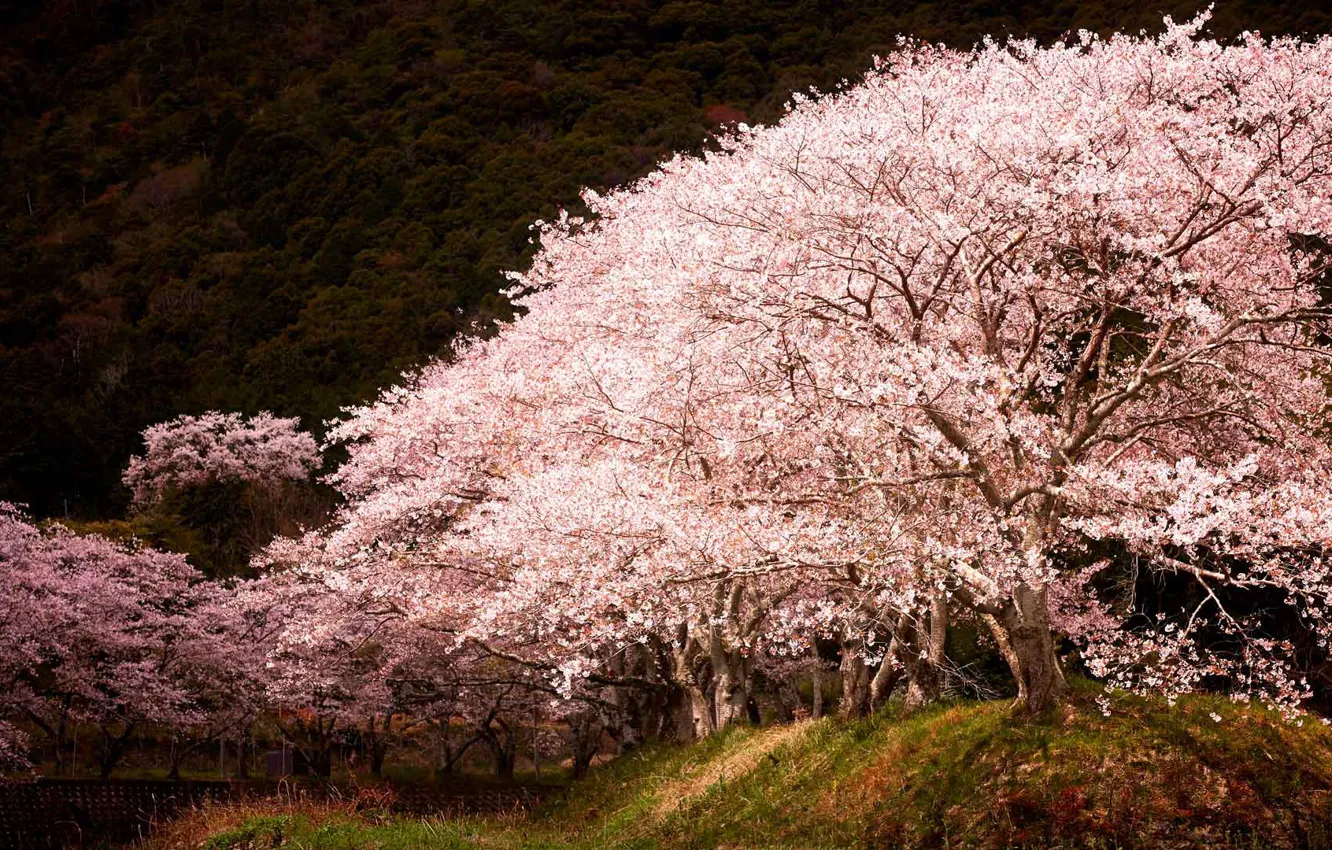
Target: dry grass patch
{"points": [[674, 795]]}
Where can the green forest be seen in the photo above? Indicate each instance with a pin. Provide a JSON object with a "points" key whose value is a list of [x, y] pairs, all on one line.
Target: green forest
{"points": [[251, 204]]}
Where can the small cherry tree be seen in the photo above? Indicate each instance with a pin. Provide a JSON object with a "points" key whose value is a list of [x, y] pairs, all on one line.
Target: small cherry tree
{"points": [[238, 481]]}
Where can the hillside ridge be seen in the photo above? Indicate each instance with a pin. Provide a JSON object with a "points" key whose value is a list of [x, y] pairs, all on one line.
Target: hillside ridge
{"points": [[1204, 772]]}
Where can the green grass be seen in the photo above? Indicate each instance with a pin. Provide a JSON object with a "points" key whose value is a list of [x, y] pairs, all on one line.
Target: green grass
{"points": [[963, 775]]}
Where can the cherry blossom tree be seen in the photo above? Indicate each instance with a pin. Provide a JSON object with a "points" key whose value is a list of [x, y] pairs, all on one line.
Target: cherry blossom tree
{"points": [[98, 632], [235, 481], [910, 355], [223, 669], [1023, 297], [194, 450]]}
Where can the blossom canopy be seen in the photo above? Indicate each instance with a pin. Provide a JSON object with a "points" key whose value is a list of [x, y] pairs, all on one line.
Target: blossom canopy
{"points": [[943, 335]]}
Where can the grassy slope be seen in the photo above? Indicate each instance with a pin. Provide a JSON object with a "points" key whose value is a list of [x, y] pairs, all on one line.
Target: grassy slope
{"points": [[955, 776]]}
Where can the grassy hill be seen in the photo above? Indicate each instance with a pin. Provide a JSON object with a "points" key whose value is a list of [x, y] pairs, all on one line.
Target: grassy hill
{"points": [[1202, 773]]}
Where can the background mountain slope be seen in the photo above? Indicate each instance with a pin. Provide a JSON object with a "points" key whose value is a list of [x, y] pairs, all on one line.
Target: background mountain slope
{"points": [[249, 204]]}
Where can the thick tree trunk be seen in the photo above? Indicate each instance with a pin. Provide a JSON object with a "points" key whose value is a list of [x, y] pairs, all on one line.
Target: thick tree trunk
{"points": [[676, 723], [855, 675], [886, 677], [694, 715], [738, 609], [639, 713], [926, 656], [1023, 632], [586, 742], [696, 722], [731, 688], [923, 686], [732, 680]]}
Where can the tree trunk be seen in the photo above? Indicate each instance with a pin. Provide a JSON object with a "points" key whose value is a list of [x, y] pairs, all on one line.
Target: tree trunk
{"points": [[313, 739], [1023, 632], [377, 741], [60, 737], [586, 734], [637, 708], [855, 675], [693, 710], [321, 765], [179, 752], [453, 757], [504, 762], [923, 685], [243, 753], [926, 654], [676, 723], [113, 747], [582, 762], [787, 699], [886, 677], [503, 743], [696, 718], [57, 734], [731, 693], [816, 685]]}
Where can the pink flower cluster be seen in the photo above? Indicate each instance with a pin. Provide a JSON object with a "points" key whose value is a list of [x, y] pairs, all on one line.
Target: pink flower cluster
{"points": [[104, 633], [192, 450]]}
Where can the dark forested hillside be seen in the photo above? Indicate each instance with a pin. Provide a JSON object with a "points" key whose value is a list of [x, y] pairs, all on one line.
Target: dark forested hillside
{"points": [[251, 204]]}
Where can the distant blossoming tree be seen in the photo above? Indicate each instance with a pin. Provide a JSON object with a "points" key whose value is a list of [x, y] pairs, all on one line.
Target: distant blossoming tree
{"points": [[235, 481], [189, 451], [95, 632]]}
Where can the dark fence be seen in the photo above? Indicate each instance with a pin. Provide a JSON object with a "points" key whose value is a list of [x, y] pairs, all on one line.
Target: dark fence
{"points": [[91, 813], [428, 800], [70, 813]]}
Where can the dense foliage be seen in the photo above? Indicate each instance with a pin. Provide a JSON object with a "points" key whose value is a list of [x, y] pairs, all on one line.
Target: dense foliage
{"points": [[243, 205]]}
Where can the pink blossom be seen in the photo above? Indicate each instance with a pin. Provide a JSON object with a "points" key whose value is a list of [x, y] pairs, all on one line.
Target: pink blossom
{"points": [[191, 450]]}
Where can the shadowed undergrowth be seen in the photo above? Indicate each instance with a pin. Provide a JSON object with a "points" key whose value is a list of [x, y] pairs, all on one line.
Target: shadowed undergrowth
{"points": [[1202, 773]]}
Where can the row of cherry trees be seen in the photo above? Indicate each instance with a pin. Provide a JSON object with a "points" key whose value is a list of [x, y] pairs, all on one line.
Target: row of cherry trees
{"points": [[1033, 340], [1001, 336], [124, 639], [100, 633]]}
